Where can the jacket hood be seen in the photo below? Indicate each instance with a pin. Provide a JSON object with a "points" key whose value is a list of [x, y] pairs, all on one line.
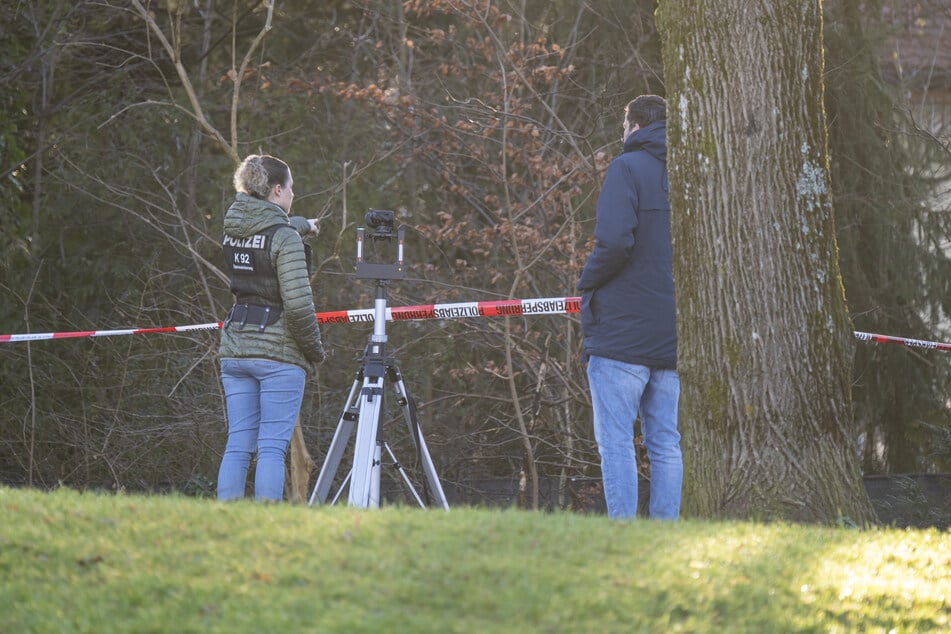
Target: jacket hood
{"points": [[651, 138], [248, 215]]}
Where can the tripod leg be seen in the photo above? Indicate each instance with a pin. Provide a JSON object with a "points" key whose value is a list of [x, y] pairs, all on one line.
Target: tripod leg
{"points": [[402, 472], [365, 448], [409, 414], [337, 446], [374, 500]]}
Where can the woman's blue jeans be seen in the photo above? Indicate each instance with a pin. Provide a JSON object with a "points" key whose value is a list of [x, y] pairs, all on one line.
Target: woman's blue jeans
{"points": [[263, 400], [619, 391]]}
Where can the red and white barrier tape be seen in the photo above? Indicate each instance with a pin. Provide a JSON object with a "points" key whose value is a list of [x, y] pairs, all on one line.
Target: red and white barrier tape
{"points": [[904, 341], [502, 308]]}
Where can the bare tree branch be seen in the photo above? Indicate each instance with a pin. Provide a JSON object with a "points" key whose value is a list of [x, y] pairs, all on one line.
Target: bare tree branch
{"points": [[197, 111]]}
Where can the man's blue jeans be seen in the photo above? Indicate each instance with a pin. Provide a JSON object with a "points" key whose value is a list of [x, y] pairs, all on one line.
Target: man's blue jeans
{"points": [[263, 400], [618, 392]]}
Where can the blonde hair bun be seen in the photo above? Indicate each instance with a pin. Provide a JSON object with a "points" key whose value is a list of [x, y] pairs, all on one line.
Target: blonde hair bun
{"points": [[251, 177]]}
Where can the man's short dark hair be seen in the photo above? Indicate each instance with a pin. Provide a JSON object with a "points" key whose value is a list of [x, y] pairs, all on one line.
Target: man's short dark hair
{"points": [[646, 109]]}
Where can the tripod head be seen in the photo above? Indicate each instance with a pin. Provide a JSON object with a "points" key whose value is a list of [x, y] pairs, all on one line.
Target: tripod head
{"points": [[380, 223]]}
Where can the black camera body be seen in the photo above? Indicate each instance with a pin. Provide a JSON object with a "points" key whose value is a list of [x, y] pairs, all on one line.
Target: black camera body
{"points": [[381, 228], [380, 222]]}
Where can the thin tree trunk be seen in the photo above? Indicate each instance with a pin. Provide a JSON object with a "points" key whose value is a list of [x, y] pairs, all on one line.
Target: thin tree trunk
{"points": [[299, 467], [765, 339]]}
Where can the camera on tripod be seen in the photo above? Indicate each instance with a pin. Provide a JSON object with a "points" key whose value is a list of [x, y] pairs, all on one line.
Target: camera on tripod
{"points": [[381, 228], [364, 404]]}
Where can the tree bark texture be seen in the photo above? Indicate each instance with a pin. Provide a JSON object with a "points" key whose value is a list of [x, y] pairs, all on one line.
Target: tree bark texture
{"points": [[765, 339]]}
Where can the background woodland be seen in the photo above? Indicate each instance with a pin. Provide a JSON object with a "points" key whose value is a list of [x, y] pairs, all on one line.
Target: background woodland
{"points": [[486, 126]]}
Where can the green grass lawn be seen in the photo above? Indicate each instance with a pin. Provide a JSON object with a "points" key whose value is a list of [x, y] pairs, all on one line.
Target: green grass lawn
{"points": [[73, 562]]}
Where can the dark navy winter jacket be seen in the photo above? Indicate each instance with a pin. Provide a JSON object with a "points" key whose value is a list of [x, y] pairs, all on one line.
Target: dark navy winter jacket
{"points": [[627, 285]]}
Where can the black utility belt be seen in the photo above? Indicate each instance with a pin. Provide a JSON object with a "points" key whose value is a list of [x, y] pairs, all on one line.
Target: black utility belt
{"points": [[261, 316]]}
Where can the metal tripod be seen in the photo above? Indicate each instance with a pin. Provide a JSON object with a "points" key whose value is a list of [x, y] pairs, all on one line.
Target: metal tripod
{"points": [[363, 408]]}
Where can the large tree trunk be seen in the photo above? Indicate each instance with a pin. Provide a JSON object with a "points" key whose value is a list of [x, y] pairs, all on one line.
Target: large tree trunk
{"points": [[765, 339]]}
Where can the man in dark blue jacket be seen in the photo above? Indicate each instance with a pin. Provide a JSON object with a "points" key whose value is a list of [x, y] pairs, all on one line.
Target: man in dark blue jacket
{"points": [[628, 320]]}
